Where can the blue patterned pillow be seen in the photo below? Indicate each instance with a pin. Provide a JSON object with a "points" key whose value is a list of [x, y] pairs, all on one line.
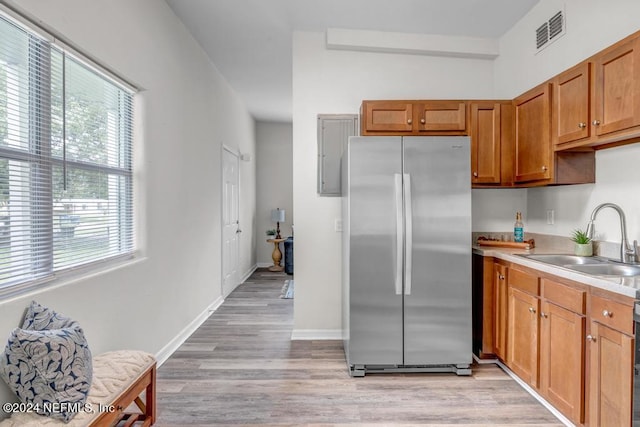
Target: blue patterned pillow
{"points": [[47, 363], [41, 318]]}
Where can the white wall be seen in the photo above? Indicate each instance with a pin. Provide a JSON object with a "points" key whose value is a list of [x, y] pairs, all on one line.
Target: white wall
{"points": [[334, 82], [187, 111], [274, 186], [591, 26]]}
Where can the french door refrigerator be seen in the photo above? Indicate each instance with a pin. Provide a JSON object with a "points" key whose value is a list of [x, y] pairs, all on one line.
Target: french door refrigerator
{"points": [[407, 254]]}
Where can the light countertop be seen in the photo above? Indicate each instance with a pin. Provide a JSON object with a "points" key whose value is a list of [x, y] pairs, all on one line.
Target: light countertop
{"points": [[628, 286]]}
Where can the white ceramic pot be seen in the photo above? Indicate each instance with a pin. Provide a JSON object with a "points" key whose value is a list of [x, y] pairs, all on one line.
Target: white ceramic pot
{"points": [[583, 249]]}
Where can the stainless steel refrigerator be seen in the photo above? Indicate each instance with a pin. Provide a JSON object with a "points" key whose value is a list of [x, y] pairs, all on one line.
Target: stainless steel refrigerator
{"points": [[407, 254]]}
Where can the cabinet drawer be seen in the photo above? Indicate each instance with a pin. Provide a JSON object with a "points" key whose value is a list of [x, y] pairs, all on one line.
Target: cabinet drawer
{"points": [[613, 314], [564, 296], [524, 281]]}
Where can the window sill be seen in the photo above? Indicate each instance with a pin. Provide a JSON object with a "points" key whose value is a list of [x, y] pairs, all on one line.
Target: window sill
{"points": [[69, 277]]}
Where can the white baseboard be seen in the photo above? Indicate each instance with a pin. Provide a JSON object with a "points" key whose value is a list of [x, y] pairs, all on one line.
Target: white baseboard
{"points": [[264, 264], [249, 273], [564, 420], [166, 351], [316, 334]]}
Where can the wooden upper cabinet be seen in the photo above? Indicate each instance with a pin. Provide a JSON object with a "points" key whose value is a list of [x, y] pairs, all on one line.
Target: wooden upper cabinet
{"points": [[572, 105], [617, 88], [413, 118], [533, 155], [441, 116], [485, 143], [381, 117]]}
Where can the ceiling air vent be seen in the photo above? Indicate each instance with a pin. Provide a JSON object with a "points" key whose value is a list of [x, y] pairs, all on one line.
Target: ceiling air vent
{"points": [[550, 31]]}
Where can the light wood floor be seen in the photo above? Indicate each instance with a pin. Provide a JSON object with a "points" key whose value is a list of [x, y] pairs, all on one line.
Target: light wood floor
{"points": [[241, 368]]}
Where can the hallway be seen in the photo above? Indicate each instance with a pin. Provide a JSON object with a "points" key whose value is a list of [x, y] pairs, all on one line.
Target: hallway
{"points": [[241, 368]]}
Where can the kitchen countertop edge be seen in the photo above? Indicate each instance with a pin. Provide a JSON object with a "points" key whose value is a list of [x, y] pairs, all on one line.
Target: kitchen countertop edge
{"points": [[627, 286]]}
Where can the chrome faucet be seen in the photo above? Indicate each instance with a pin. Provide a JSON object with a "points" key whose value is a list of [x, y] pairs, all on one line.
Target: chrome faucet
{"points": [[628, 255]]}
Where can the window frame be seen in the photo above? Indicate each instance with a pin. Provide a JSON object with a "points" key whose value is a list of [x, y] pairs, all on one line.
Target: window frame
{"points": [[42, 156]]}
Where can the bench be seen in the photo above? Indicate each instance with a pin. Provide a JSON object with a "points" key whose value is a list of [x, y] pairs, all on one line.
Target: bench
{"points": [[122, 391]]}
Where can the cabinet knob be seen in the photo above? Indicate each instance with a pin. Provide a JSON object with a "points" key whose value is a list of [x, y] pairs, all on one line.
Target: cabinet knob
{"points": [[596, 122], [591, 338], [582, 125], [544, 168], [423, 121], [544, 315], [501, 277], [409, 121], [532, 310], [607, 313], [475, 174]]}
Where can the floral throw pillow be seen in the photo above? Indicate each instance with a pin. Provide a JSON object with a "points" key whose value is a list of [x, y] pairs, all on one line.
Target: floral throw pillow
{"points": [[41, 318], [49, 369]]}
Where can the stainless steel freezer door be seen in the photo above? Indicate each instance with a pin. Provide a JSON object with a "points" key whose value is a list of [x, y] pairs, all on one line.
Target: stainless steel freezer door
{"points": [[375, 206], [437, 328]]}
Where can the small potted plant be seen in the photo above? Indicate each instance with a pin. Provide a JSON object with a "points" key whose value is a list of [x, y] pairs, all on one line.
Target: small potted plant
{"points": [[271, 233], [583, 244]]}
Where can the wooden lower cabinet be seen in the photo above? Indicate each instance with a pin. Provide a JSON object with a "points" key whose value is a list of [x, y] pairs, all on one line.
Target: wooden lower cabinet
{"points": [[571, 342], [562, 354], [610, 377], [501, 313], [522, 353]]}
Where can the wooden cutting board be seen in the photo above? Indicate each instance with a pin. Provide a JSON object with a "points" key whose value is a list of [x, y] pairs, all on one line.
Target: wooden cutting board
{"points": [[527, 244]]}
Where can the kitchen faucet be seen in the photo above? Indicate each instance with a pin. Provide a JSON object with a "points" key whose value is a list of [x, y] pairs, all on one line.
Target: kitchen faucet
{"points": [[627, 255]]}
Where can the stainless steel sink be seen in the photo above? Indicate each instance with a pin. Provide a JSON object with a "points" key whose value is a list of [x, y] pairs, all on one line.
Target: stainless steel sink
{"points": [[595, 266], [609, 269], [565, 259]]}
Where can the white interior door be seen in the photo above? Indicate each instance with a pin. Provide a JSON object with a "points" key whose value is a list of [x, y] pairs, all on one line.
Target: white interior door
{"points": [[230, 222]]}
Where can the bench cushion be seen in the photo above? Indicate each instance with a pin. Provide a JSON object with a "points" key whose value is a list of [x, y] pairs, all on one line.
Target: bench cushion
{"points": [[113, 374]]}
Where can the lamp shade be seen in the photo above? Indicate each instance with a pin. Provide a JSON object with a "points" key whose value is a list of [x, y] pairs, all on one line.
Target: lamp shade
{"points": [[277, 215]]}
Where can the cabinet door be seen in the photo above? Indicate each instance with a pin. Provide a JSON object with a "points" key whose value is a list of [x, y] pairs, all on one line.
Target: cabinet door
{"points": [[571, 104], [522, 354], [439, 116], [610, 377], [562, 335], [380, 117], [485, 143], [617, 88], [501, 295], [533, 156]]}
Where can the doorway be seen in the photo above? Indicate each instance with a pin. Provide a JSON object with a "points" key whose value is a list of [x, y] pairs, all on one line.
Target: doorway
{"points": [[230, 221]]}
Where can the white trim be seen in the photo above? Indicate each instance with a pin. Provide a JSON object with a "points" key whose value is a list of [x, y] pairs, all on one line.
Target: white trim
{"points": [[248, 273], [265, 264], [316, 334], [564, 420], [166, 351]]}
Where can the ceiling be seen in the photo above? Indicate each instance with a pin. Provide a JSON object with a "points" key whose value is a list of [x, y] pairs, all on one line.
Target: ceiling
{"points": [[250, 41]]}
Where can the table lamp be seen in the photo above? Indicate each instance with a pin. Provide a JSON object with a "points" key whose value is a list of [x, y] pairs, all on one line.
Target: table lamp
{"points": [[277, 216]]}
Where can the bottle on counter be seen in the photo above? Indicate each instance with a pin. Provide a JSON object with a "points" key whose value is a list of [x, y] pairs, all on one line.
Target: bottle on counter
{"points": [[518, 228]]}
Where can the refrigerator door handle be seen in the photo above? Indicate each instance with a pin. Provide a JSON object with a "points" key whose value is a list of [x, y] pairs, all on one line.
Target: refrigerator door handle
{"points": [[398, 194], [408, 240]]}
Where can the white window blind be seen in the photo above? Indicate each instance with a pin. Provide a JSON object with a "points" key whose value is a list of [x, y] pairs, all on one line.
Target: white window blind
{"points": [[65, 161]]}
